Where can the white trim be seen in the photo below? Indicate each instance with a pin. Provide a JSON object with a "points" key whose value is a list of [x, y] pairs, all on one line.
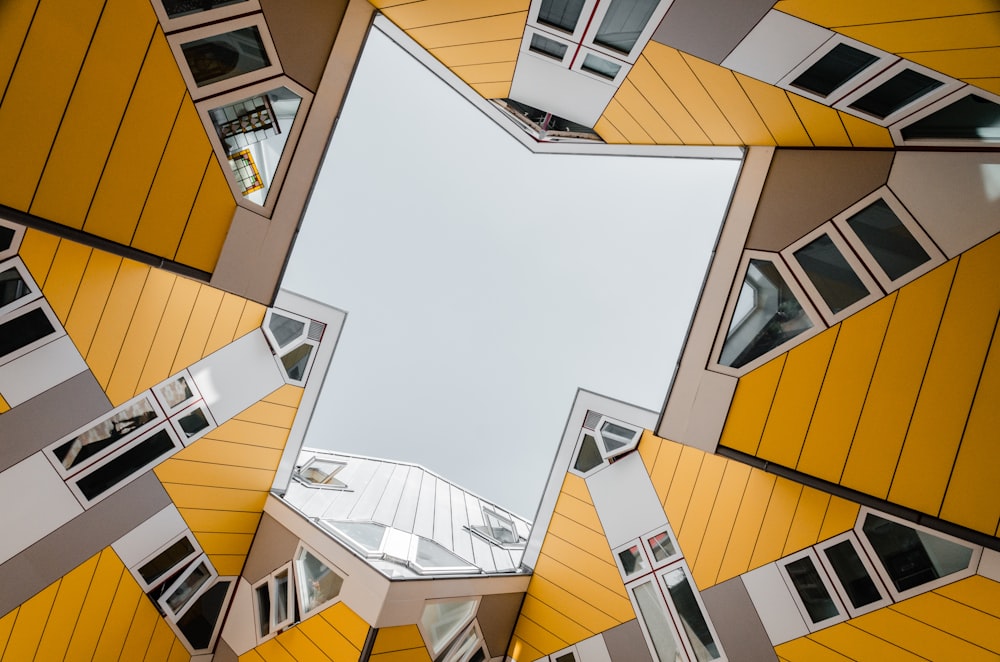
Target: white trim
{"points": [[218, 621], [568, 650], [581, 21], [188, 439], [948, 85], [57, 328], [277, 347], [15, 242], [884, 60], [587, 41], [198, 18], [300, 587], [309, 363], [190, 598], [896, 130], [628, 446], [576, 453], [34, 291], [165, 575], [530, 31], [480, 644], [845, 598], [616, 81], [641, 619], [675, 614], [458, 628], [169, 409], [810, 554]]}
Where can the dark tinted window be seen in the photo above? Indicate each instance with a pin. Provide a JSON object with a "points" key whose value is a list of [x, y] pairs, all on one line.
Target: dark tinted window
{"points": [[887, 239], [176, 8], [562, 14], [126, 464], [913, 557], [840, 65], [827, 269], [198, 623], [904, 88], [165, 560], [623, 23], [852, 574], [12, 286], [24, 330], [816, 599], [588, 457], [6, 237], [970, 118], [546, 46], [224, 56]]}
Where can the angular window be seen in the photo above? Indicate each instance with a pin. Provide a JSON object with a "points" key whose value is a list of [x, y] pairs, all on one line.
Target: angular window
{"points": [[498, 529], [691, 613], [200, 624], [767, 315], [365, 537], [23, 331], [632, 561], [167, 560], [661, 546], [274, 602], [543, 126], [442, 620], [192, 423], [561, 14], [124, 466], [830, 273], [12, 287], [176, 393], [623, 23], [656, 623], [430, 558], [188, 586], [284, 330], [900, 91], [601, 67], [844, 560], [222, 56], [814, 595], [834, 69], [550, 47], [615, 438], [297, 362], [317, 581], [588, 457], [468, 647], [177, 8], [973, 117], [321, 473]]}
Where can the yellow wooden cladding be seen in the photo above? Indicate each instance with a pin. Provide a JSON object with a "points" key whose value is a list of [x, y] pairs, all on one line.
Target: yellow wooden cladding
{"points": [[133, 324], [220, 482], [960, 39], [730, 518], [960, 621], [108, 140], [399, 644], [576, 590], [897, 401], [671, 97], [96, 611], [336, 634]]}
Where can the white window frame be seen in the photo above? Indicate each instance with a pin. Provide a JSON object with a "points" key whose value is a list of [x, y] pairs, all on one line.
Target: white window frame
{"points": [[627, 448], [183, 404], [467, 569], [675, 615], [125, 440], [297, 474], [181, 434], [643, 552], [948, 85], [299, 580], [571, 650], [268, 583], [15, 242], [818, 325], [218, 621], [473, 628], [531, 30], [179, 39], [619, 78], [876, 578], [678, 554], [896, 130], [57, 328], [503, 519], [830, 229], [199, 18], [200, 561], [355, 546], [581, 25], [813, 626], [309, 362], [197, 551], [458, 629], [662, 604], [884, 61], [276, 347], [34, 292], [937, 258], [598, 17], [291, 142], [576, 452], [883, 574]]}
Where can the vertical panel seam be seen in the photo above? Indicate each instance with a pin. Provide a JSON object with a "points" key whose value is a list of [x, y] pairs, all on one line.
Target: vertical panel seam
{"points": [[677, 526], [711, 96], [86, 351], [677, 98], [755, 109], [562, 613], [819, 393], [652, 106], [746, 483], [840, 118], [788, 96], [187, 324], [131, 318], [152, 342], [3, 95], [770, 406], [892, 607], [114, 596], [159, 164]]}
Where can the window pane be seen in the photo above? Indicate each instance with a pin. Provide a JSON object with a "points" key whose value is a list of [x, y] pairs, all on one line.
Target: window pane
{"points": [[811, 589], [224, 56], [566, 657], [904, 88], [321, 472], [264, 609], [695, 626], [24, 330], [969, 118], [826, 267], [105, 434], [616, 436], [887, 239], [6, 237], [562, 14], [655, 616], [588, 457], [546, 46], [317, 583], [633, 561], [296, 362], [12, 286], [431, 557], [125, 465], [840, 65], [913, 557], [775, 316], [285, 329], [163, 562], [662, 546], [600, 66], [177, 8], [624, 22], [281, 597], [442, 620], [180, 595], [198, 623], [366, 535], [853, 575]]}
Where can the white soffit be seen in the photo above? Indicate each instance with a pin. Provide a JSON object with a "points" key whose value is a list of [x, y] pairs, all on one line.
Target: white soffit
{"points": [[149, 536], [775, 46], [774, 604], [555, 89], [625, 500], [40, 370], [237, 376], [238, 630]]}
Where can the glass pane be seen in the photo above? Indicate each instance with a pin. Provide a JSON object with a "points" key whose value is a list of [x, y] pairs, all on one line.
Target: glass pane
{"points": [[588, 457], [775, 316], [321, 472], [546, 46], [969, 118], [125, 465], [263, 609], [24, 330], [887, 239], [830, 273], [431, 556], [175, 392], [317, 583], [12, 286], [902, 89], [811, 589], [633, 561], [695, 626], [913, 557], [442, 620], [224, 56], [600, 66], [281, 597], [199, 621], [561, 14], [624, 22], [840, 65], [177, 8], [180, 596], [296, 362], [193, 422], [367, 535], [616, 436], [853, 575], [461, 648], [103, 435], [285, 329], [253, 133], [566, 657], [163, 562], [6, 237], [654, 615], [662, 546], [500, 528]]}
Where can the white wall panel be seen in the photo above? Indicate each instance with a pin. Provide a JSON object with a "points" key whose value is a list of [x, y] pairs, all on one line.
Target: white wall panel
{"points": [[149, 536], [593, 649], [37, 502], [40, 370], [775, 46], [237, 376], [625, 500], [774, 604], [555, 89], [989, 564], [239, 631]]}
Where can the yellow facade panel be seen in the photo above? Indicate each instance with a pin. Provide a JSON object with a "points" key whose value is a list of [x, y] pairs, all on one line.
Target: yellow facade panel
{"points": [[964, 63], [795, 399], [705, 567], [15, 19], [972, 625], [988, 84], [91, 299], [565, 599], [347, 623], [840, 516], [336, 645], [807, 521], [209, 222], [865, 134], [919, 637], [473, 31], [504, 50], [67, 269], [776, 109], [746, 528], [222, 498], [636, 105], [580, 536], [161, 642], [777, 520], [7, 626], [175, 185], [268, 413], [251, 318], [4, 407], [675, 505], [579, 511], [706, 490], [251, 656], [436, 12], [184, 472], [681, 74], [226, 321], [199, 325], [751, 404], [612, 600], [160, 360], [215, 451], [123, 607], [608, 133], [99, 599], [140, 632], [625, 124], [250, 434], [843, 394], [931, 34], [493, 72], [977, 592], [397, 638], [31, 618], [95, 112], [411, 655], [498, 90], [648, 83], [114, 324], [38, 75], [807, 650], [139, 338], [37, 250], [597, 565], [220, 521], [950, 382], [224, 544], [138, 147], [834, 13], [288, 395], [520, 651], [554, 621], [895, 384], [664, 465], [537, 636], [822, 123], [272, 651], [178, 653], [972, 498], [860, 645], [73, 589], [301, 647], [731, 98]]}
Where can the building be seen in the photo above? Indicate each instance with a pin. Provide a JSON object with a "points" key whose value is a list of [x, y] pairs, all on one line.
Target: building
{"points": [[818, 485]]}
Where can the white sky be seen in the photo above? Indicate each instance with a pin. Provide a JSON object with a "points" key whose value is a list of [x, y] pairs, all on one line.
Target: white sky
{"points": [[484, 284]]}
